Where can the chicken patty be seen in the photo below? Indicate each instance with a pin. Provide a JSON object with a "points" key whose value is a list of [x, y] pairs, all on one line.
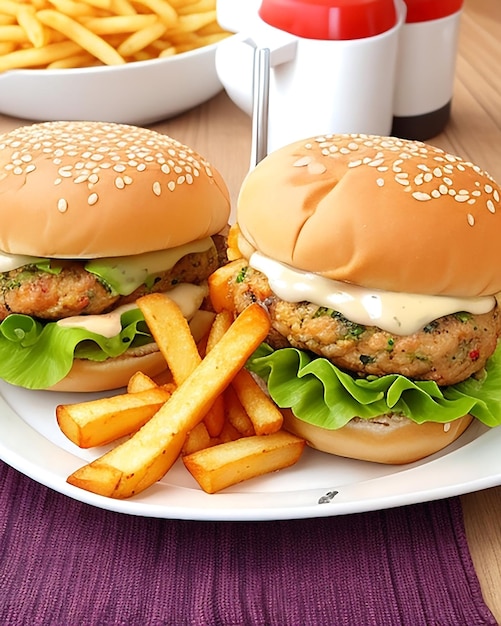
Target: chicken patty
{"points": [[447, 351], [74, 291]]}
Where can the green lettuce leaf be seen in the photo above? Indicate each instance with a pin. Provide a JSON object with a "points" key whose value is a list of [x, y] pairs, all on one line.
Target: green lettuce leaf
{"points": [[36, 355], [320, 393]]}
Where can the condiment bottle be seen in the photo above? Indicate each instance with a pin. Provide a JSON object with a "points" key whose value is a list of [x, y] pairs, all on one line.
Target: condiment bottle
{"points": [[426, 68], [332, 65]]}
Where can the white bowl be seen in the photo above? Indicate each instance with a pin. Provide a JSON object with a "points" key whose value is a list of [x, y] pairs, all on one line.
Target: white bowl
{"points": [[136, 93]]}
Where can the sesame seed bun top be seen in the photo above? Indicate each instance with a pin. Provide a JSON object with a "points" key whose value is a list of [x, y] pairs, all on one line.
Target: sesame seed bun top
{"points": [[94, 189], [380, 212]]}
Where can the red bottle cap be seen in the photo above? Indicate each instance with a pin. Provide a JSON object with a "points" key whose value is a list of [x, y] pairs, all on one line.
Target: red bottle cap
{"points": [[426, 10], [331, 19]]}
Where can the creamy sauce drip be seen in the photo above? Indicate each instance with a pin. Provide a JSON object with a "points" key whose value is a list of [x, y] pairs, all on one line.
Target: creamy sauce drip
{"points": [[9, 262], [187, 296], [398, 313]]}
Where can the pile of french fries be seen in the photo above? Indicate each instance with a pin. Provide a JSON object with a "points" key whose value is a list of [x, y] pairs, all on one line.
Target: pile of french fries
{"points": [[211, 412], [66, 34]]}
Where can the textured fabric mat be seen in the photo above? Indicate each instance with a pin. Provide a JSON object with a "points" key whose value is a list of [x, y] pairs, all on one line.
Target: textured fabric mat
{"points": [[66, 563]]}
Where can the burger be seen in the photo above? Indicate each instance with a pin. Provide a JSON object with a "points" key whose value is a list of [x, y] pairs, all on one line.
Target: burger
{"points": [[378, 261], [92, 216]]}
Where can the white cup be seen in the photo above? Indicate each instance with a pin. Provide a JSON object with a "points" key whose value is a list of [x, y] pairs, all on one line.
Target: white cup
{"points": [[316, 86]]}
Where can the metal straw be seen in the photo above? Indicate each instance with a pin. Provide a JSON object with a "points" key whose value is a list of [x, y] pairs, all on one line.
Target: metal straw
{"points": [[260, 96]]}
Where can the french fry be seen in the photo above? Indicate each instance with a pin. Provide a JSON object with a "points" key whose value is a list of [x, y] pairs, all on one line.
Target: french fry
{"points": [[214, 419], [98, 422], [81, 35], [173, 336], [141, 39], [262, 411], [35, 32], [221, 466], [110, 32], [143, 459], [233, 251], [236, 415], [36, 57], [119, 24], [140, 382], [163, 9], [171, 333], [220, 325], [229, 433], [197, 439], [219, 288]]}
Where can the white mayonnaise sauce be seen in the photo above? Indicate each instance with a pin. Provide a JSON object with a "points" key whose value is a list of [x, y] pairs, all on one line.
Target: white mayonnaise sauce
{"points": [[188, 297], [398, 313]]}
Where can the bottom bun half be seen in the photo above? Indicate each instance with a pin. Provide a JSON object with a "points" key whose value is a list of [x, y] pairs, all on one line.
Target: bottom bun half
{"points": [[392, 440], [86, 376]]}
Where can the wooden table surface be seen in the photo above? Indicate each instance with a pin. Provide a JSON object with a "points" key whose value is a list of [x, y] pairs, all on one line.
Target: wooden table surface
{"points": [[221, 132]]}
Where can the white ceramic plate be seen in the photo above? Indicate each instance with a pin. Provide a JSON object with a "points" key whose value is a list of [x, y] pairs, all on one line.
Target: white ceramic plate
{"points": [[31, 441], [136, 93]]}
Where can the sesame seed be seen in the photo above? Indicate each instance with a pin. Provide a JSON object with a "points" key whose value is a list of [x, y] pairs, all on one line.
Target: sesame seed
{"points": [[380, 182], [419, 195], [316, 168], [490, 206], [157, 188], [92, 199], [82, 152], [62, 205], [471, 219]]}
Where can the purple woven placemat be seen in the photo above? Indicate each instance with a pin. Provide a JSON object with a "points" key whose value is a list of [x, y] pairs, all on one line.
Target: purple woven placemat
{"points": [[66, 563]]}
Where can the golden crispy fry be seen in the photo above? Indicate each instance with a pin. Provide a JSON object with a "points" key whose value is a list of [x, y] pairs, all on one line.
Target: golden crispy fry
{"points": [[214, 419], [221, 324], [6, 47], [83, 59], [98, 422], [163, 9], [108, 32], [140, 382], [236, 415], [36, 57], [171, 333], [232, 250], [99, 4], [197, 439], [119, 24], [229, 433], [230, 463], [185, 8], [263, 413], [9, 7], [81, 35], [122, 7], [141, 39], [194, 21], [36, 33], [144, 458], [14, 33], [219, 289], [73, 8]]}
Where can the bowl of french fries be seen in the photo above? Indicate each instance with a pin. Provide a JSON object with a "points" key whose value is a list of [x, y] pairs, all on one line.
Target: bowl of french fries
{"points": [[127, 61]]}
